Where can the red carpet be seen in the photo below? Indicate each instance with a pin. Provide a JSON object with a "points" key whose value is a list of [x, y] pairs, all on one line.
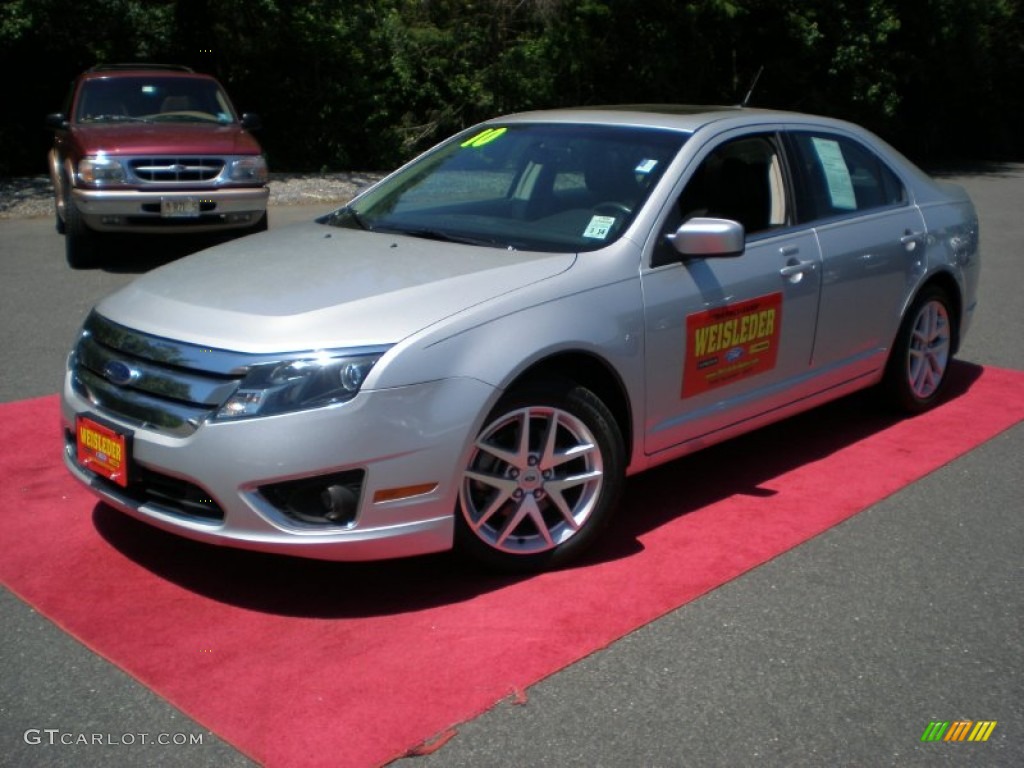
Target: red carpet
{"points": [[310, 663]]}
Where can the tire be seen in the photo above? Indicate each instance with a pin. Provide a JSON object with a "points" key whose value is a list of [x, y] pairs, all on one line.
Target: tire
{"points": [[58, 220], [918, 367], [532, 498], [79, 240], [259, 226]]}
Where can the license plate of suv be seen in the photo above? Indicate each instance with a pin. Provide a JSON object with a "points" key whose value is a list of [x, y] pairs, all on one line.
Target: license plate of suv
{"points": [[179, 207]]}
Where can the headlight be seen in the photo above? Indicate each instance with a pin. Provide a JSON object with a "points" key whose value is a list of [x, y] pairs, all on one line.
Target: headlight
{"points": [[300, 384], [100, 169], [251, 169]]}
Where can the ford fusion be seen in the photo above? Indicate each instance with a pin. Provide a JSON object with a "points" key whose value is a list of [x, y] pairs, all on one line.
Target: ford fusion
{"points": [[476, 351]]}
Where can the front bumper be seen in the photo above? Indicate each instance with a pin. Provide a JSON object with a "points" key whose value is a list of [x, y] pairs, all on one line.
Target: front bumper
{"points": [[128, 210], [408, 445]]}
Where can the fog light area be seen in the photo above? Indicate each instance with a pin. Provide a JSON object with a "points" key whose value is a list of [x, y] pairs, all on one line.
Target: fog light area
{"points": [[327, 500]]}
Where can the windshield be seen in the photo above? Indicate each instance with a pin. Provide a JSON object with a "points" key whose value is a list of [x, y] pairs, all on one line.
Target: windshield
{"points": [[542, 187], [153, 99]]}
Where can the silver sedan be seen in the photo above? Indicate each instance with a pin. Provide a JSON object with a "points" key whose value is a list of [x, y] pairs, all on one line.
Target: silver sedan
{"points": [[478, 350]]}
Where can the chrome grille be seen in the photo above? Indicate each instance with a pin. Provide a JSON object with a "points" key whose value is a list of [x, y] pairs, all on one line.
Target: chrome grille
{"points": [[163, 170], [150, 381]]}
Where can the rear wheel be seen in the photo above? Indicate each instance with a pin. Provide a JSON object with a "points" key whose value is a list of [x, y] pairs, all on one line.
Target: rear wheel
{"points": [[543, 479], [918, 367]]}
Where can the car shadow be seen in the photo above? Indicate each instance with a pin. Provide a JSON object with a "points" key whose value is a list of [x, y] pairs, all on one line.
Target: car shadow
{"points": [[975, 168], [136, 254], [291, 586]]}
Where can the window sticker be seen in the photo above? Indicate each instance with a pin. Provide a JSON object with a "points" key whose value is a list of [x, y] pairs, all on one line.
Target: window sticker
{"points": [[646, 166], [599, 227], [837, 175], [483, 138], [731, 343]]}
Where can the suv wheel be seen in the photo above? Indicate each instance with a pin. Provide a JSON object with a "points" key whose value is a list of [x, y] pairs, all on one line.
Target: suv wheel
{"points": [[259, 226], [542, 480], [58, 218], [79, 240]]}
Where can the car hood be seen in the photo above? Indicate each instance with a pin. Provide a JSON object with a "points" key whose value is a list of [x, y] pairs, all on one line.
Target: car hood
{"points": [[164, 138], [311, 286]]}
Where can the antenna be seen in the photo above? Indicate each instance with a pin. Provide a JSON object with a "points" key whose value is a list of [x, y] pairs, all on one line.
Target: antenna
{"points": [[753, 85]]}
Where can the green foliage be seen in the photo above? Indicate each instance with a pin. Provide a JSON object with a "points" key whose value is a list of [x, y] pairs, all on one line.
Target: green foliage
{"points": [[355, 85]]}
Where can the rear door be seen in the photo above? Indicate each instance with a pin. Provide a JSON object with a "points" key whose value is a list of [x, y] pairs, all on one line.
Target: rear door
{"points": [[872, 245]]}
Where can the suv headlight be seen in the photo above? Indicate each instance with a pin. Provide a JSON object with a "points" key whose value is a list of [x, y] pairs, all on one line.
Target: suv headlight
{"points": [[295, 385], [100, 169], [251, 169]]}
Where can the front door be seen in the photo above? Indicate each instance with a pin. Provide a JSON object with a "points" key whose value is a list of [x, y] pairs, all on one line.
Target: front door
{"points": [[729, 338]]}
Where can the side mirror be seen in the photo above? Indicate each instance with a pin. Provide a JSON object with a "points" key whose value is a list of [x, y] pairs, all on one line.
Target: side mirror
{"points": [[251, 121], [57, 121], [703, 237]]}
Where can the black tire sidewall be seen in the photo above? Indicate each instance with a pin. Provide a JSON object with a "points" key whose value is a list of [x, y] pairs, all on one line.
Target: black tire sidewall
{"points": [[79, 240]]}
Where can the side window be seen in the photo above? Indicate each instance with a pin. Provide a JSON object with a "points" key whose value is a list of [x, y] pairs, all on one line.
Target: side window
{"points": [[838, 176], [740, 180]]}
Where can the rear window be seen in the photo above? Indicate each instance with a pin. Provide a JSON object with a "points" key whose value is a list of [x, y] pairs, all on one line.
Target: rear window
{"points": [[840, 176]]}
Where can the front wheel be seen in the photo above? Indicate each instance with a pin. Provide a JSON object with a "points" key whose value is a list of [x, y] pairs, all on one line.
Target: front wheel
{"points": [[79, 240], [542, 480], [917, 371], [259, 226]]}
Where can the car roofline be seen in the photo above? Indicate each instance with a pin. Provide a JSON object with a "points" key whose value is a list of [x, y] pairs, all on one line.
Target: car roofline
{"points": [[685, 117]]}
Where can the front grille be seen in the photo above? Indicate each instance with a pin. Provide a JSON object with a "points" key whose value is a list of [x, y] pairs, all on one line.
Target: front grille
{"points": [[152, 382], [168, 170]]}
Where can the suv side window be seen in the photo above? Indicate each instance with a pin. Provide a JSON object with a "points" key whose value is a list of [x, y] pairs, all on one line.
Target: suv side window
{"points": [[839, 176]]}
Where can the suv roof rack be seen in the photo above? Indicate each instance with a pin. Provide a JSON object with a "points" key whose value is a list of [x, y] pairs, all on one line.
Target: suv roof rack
{"points": [[140, 65]]}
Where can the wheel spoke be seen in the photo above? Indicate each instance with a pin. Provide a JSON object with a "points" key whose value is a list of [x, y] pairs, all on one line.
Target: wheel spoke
{"points": [[548, 455], [556, 492], [504, 486], [928, 350], [517, 457], [528, 508]]}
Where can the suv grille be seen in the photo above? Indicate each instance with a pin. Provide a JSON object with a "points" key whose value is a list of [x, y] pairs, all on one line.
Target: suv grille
{"points": [[150, 381], [161, 170]]}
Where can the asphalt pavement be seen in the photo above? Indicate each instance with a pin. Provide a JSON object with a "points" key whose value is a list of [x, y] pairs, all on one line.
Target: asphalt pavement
{"points": [[837, 653]]}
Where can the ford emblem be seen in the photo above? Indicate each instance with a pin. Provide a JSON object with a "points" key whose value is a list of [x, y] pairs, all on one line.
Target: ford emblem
{"points": [[119, 373]]}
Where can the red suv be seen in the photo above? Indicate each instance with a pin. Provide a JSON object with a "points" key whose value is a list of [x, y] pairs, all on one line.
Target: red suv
{"points": [[152, 148]]}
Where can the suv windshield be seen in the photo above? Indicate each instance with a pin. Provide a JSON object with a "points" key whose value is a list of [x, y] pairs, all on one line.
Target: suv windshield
{"points": [[543, 187], [156, 98]]}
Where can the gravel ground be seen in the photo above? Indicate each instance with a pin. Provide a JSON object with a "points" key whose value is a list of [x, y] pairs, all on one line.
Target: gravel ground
{"points": [[30, 196]]}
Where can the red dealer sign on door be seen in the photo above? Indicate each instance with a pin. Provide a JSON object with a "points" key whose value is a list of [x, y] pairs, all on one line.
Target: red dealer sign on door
{"points": [[729, 343]]}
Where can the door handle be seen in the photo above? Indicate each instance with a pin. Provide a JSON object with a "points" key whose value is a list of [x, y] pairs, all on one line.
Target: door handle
{"points": [[797, 268], [911, 239]]}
